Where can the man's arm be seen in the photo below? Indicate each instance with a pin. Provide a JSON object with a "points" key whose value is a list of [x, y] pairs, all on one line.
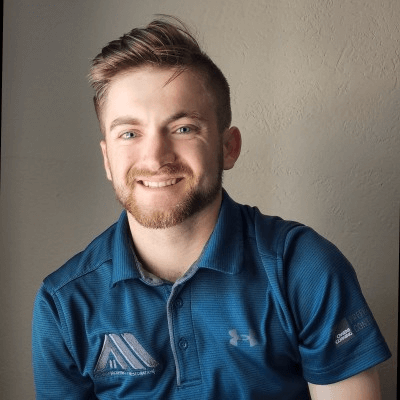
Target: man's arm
{"points": [[364, 386], [56, 374]]}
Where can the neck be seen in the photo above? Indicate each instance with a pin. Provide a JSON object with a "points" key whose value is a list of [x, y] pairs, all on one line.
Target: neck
{"points": [[168, 253]]}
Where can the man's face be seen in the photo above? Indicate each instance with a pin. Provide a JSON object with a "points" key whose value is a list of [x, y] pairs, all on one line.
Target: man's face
{"points": [[162, 149]]}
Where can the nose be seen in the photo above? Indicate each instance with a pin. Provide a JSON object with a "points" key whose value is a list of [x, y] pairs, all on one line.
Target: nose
{"points": [[157, 152]]}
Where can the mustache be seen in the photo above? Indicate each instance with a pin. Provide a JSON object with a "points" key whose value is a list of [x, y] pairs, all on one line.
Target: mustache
{"points": [[169, 169]]}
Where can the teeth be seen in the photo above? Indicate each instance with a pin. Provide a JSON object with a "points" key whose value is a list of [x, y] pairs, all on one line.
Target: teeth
{"points": [[159, 184]]}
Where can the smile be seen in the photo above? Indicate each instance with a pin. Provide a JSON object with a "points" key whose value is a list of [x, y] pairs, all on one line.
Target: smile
{"points": [[169, 182]]}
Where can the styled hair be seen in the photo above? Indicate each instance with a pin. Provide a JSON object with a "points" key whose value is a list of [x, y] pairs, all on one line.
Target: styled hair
{"points": [[164, 43]]}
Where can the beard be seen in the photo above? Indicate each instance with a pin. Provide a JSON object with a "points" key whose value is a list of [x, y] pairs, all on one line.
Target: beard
{"points": [[195, 198]]}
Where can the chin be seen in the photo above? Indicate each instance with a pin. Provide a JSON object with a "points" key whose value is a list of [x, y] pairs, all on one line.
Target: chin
{"points": [[192, 204]]}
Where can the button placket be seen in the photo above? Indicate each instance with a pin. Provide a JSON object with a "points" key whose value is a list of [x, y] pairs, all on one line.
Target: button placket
{"points": [[182, 335]]}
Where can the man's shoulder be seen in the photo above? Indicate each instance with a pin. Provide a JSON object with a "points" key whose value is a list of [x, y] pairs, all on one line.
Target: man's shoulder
{"points": [[96, 254], [294, 247], [270, 232], [273, 235]]}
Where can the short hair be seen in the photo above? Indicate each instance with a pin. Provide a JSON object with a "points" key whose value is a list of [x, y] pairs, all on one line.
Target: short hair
{"points": [[164, 43]]}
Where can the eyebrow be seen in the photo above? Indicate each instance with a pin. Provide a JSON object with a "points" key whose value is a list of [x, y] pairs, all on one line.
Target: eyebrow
{"points": [[185, 114], [124, 121], [128, 120]]}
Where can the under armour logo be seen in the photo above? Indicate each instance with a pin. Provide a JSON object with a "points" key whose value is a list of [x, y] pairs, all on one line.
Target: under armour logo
{"points": [[123, 354], [245, 338]]}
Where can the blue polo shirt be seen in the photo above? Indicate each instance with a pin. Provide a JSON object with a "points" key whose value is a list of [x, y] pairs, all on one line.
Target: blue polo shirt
{"points": [[269, 306]]}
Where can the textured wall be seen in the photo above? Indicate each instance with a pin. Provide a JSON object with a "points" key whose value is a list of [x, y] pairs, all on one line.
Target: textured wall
{"points": [[315, 87]]}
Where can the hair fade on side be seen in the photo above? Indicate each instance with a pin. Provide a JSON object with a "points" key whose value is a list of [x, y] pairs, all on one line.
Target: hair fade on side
{"points": [[164, 43]]}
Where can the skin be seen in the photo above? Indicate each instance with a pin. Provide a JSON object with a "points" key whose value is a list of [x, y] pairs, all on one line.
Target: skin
{"points": [[363, 386], [155, 132]]}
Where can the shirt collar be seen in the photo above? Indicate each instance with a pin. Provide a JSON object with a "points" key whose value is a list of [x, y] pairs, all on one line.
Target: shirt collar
{"points": [[223, 251], [123, 258]]}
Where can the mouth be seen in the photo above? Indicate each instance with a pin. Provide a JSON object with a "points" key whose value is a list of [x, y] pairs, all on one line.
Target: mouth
{"points": [[154, 185]]}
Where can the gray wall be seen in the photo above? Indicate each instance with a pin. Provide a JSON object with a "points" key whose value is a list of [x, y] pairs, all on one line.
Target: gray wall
{"points": [[316, 90]]}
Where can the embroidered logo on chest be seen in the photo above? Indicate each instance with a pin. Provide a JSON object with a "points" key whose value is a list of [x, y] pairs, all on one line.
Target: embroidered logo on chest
{"points": [[122, 354], [236, 338]]}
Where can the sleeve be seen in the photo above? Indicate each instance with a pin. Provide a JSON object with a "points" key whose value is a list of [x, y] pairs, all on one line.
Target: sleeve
{"points": [[56, 375], [337, 334]]}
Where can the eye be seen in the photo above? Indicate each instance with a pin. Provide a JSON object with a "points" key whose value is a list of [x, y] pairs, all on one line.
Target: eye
{"points": [[184, 130], [128, 135]]}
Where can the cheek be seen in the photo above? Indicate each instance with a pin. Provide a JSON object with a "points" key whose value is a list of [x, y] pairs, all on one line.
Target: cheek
{"points": [[207, 166], [121, 164], [198, 159]]}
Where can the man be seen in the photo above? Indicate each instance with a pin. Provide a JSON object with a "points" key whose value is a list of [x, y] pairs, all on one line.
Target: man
{"points": [[191, 295]]}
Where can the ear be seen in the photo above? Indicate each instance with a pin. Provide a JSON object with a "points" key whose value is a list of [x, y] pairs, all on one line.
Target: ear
{"points": [[232, 144], [103, 146]]}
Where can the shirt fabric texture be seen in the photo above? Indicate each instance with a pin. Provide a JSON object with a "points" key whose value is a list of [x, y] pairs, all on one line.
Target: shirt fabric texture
{"points": [[268, 306]]}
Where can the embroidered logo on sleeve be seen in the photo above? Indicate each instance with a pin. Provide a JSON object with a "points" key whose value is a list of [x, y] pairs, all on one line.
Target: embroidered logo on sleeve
{"points": [[122, 354], [342, 332], [348, 327]]}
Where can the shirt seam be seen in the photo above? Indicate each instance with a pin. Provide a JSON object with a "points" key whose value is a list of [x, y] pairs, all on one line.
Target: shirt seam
{"points": [[60, 286], [64, 324]]}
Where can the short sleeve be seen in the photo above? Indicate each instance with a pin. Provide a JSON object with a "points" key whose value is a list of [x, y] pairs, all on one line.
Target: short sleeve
{"points": [[337, 334], [55, 372]]}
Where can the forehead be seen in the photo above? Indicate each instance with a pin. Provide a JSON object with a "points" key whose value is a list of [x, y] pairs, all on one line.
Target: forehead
{"points": [[157, 90]]}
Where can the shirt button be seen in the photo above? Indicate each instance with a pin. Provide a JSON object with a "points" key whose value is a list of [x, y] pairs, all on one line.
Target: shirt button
{"points": [[178, 302], [183, 344]]}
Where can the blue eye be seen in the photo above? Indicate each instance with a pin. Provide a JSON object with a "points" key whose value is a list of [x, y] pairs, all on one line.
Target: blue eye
{"points": [[184, 129], [128, 135]]}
